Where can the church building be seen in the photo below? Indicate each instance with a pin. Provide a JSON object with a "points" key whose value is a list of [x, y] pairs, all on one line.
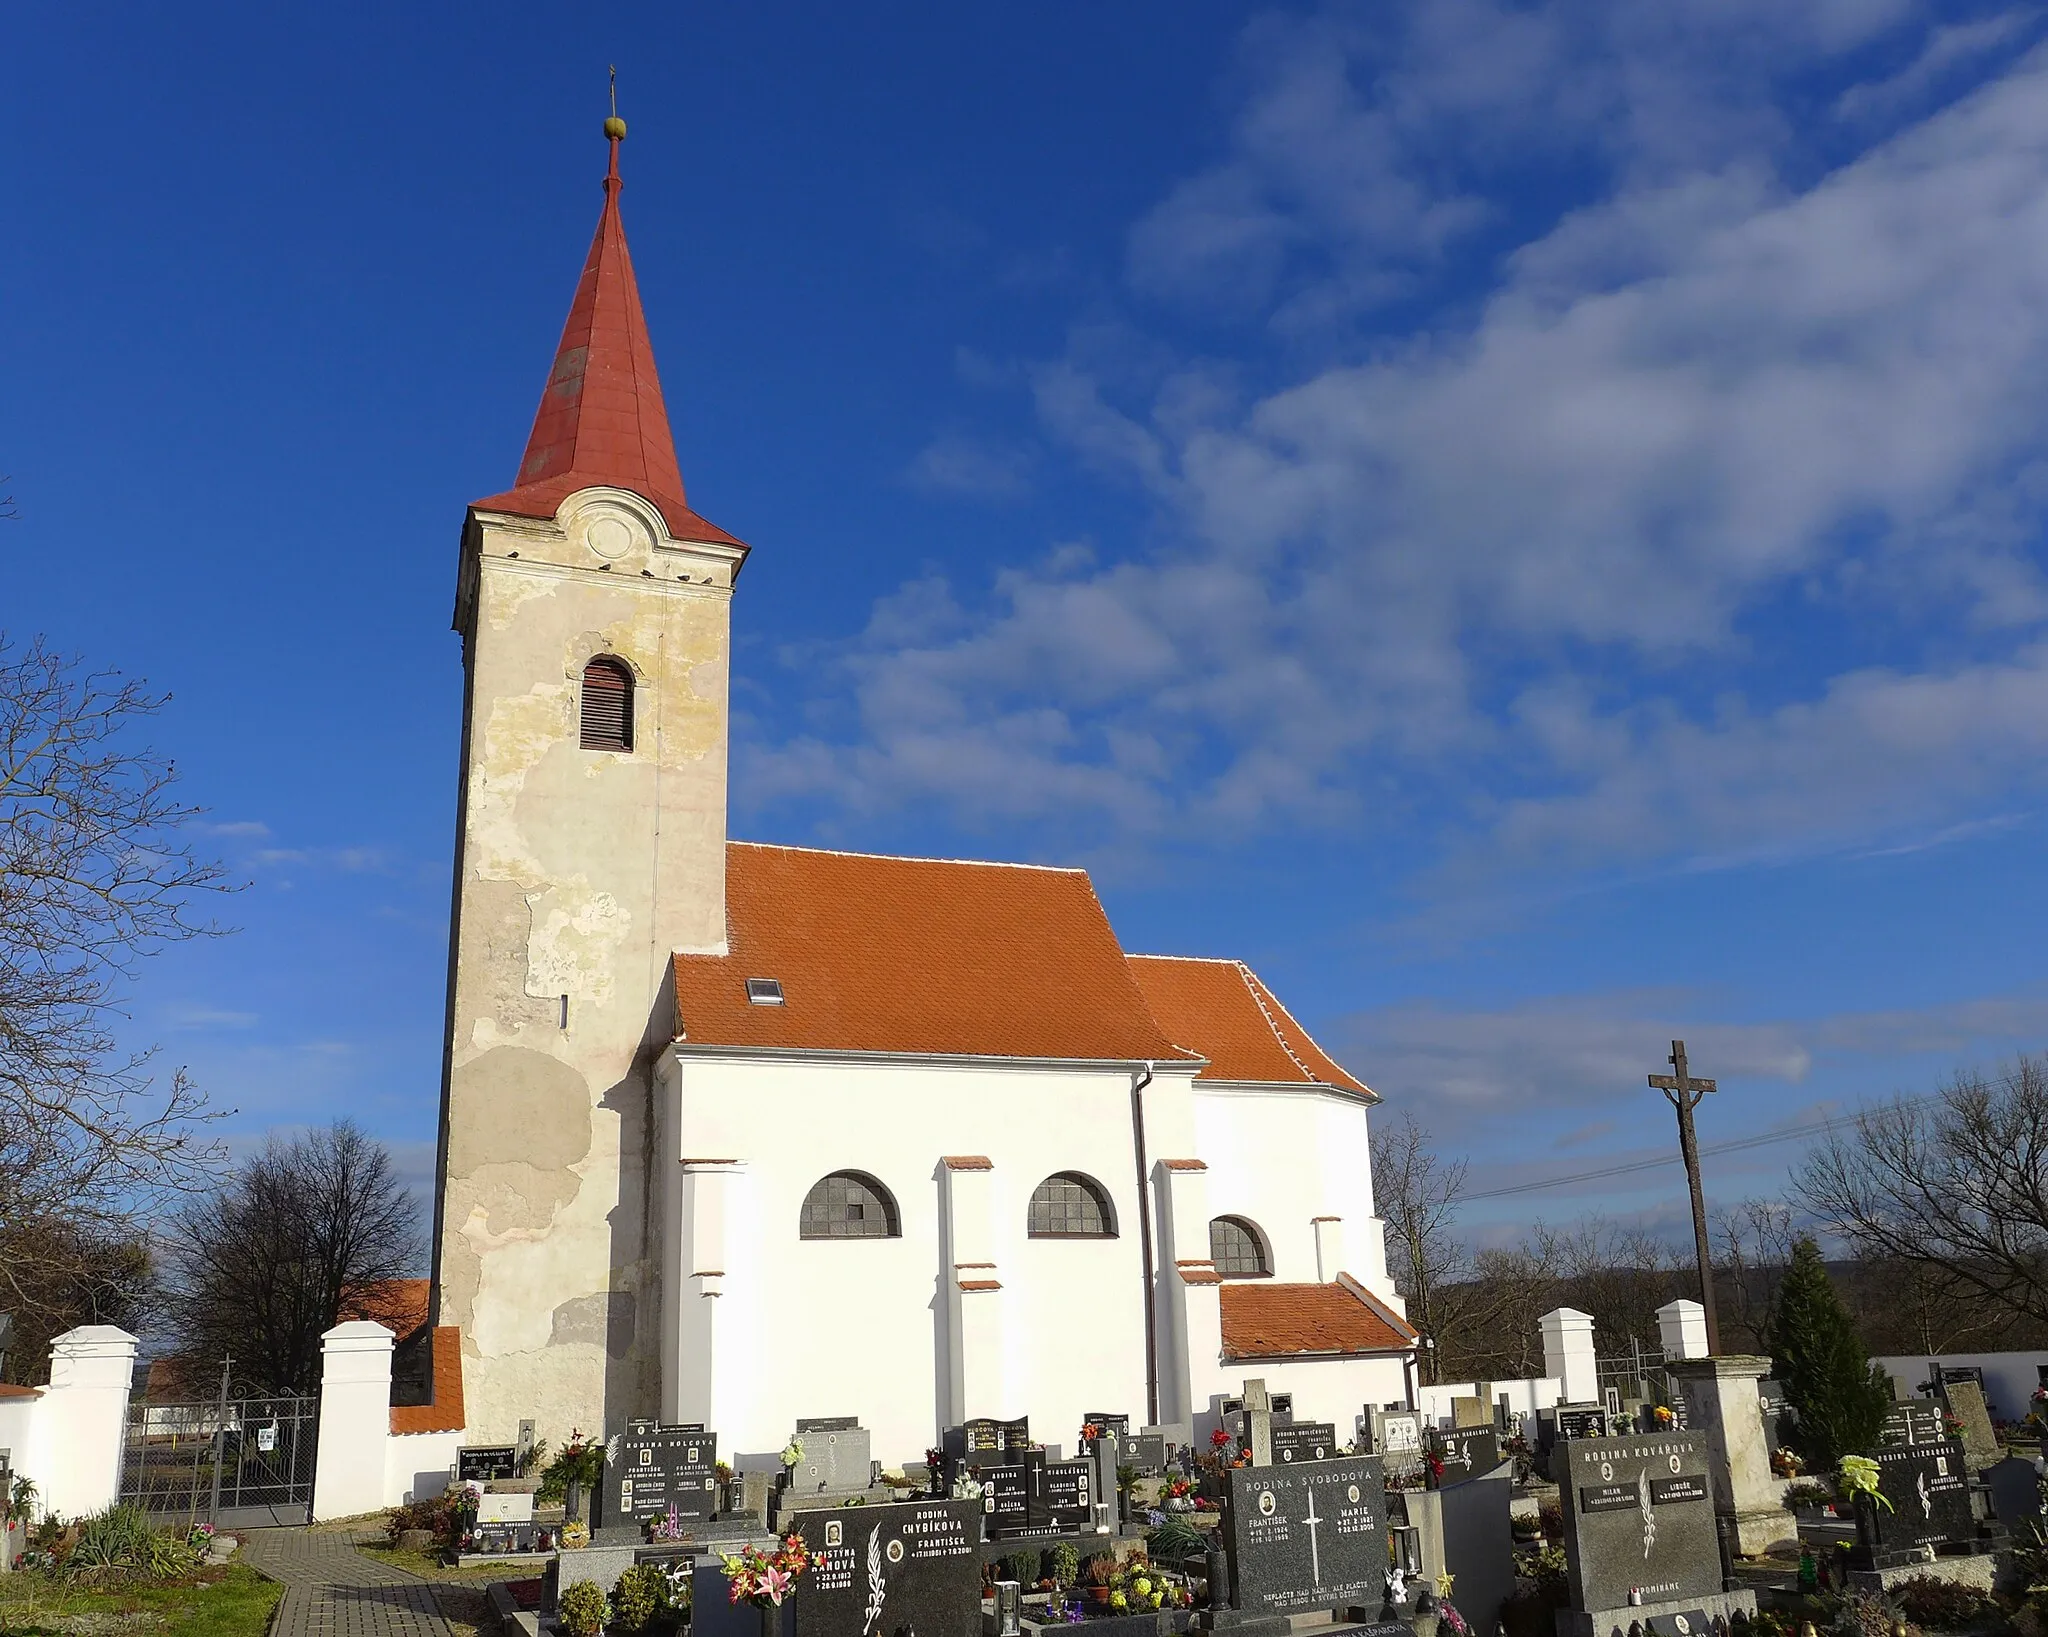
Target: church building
{"points": [[735, 1133]]}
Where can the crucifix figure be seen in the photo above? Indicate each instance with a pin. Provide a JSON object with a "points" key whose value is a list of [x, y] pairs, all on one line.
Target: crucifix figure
{"points": [[1685, 1091], [1315, 1556]]}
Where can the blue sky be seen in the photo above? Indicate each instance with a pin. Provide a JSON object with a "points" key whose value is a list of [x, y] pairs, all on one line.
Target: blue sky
{"points": [[1523, 522]]}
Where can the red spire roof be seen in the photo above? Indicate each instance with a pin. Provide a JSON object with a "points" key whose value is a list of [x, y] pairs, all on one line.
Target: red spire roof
{"points": [[601, 417]]}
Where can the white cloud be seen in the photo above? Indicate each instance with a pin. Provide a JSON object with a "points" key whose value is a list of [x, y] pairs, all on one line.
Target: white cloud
{"points": [[957, 464], [1542, 550]]}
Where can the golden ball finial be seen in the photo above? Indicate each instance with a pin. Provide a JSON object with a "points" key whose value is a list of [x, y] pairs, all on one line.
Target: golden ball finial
{"points": [[615, 128]]}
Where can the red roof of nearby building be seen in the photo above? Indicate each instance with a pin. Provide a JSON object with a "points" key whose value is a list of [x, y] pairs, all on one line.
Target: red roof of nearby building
{"points": [[1263, 1320], [1220, 1010], [444, 1411], [601, 418], [916, 955]]}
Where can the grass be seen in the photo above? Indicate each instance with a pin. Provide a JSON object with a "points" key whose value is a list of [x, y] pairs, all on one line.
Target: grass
{"points": [[234, 1601], [428, 1566]]}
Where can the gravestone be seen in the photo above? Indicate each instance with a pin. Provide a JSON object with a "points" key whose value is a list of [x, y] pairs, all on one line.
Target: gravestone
{"points": [[1397, 1432], [1118, 1424], [1147, 1452], [1303, 1441], [983, 1436], [1965, 1400], [1928, 1486], [886, 1571], [1308, 1536], [650, 1470], [1638, 1518], [1069, 1496], [1007, 1495], [1105, 1457], [1580, 1421], [1777, 1413], [1465, 1454], [1258, 1422], [2015, 1493], [836, 1457], [1470, 1411], [480, 1463], [1912, 1422]]}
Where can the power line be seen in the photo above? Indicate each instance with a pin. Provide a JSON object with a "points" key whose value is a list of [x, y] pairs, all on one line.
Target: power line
{"points": [[1729, 1146]]}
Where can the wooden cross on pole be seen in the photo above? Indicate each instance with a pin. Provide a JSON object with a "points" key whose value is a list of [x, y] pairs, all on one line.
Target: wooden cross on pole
{"points": [[1684, 1091]]}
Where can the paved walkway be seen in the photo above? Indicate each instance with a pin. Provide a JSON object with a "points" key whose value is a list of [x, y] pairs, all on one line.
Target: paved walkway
{"points": [[332, 1590]]}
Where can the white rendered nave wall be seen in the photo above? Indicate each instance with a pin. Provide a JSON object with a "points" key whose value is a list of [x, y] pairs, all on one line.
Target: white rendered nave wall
{"points": [[963, 1313]]}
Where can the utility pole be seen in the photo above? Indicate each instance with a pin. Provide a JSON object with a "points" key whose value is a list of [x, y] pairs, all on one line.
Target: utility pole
{"points": [[1684, 1092]]}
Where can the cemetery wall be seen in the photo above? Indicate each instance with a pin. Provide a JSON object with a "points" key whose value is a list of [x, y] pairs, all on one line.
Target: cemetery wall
{"points": [[792, 1327], [1283, 1158], [2009, 1378], [1332, 1390], [417, 1465], [67, 1436]]}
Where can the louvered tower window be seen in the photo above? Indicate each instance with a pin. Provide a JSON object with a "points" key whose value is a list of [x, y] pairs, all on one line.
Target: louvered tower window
{"points": [[607, 705]]}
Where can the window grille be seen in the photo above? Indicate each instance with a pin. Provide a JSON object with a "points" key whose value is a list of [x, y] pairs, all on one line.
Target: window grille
{"points": [[1070, 1206], [848, 1205], [1237, 1249]]}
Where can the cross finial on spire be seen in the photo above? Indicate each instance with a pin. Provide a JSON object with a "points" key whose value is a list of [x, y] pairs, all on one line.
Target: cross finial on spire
{"points": [[614, 129]]}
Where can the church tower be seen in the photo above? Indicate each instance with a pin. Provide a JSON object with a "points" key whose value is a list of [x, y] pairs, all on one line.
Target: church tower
{"points": [[593, 606]]}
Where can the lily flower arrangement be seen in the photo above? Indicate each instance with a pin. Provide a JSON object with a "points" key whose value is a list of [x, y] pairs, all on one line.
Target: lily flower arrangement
{"points": [[767, 1579]]}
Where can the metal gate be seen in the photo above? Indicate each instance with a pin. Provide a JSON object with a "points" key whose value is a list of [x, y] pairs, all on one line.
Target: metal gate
{"points": [[238, 1462]]}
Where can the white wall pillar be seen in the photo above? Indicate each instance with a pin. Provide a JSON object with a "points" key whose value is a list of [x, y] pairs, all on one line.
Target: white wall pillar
{"points": [[1568, 1354], [1330, 1249], [79, 1422], [1190, 1328], [690, 1379], [977, 1375], [355, 1420], [1682, 1327]]}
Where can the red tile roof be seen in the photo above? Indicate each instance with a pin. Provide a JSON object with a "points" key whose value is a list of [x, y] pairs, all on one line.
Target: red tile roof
{"points": [[1220, 1010], [1262, 1320], [444, 1412], [916, 955], [601, 418]]}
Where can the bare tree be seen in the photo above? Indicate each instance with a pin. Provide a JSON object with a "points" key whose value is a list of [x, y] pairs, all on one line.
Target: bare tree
{"points": [[1956, 1186], [96, 871], [261, 1270], [1755, 1242], [1417, 1195]]}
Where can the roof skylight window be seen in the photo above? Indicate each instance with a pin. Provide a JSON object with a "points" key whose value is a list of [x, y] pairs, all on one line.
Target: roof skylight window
{"points": [[764, 991]]}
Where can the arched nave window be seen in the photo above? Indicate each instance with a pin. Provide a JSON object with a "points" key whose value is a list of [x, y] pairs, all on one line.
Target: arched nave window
{"points": [[1238, 1249], [607, 705], [1068, 1205], [849, 1205]]}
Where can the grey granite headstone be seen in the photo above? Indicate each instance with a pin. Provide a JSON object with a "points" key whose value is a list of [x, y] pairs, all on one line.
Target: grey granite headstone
{"points": [[2015, 1492], [1308, 1536], [835, 1458], [1638, 1516]]}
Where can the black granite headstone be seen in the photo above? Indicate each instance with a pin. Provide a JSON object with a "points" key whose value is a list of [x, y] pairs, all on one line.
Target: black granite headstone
{"points": [[480, 1463], [827, 1423], [1304, 1441], [1308, 1536], [1069, 1496], [903, 1570], [658, 1469], [1580, 1421], [1638, 1516], [1928, 1486], [1466, 1452], [1913, 1424], [1147, 1452], [1118, 1424]]}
